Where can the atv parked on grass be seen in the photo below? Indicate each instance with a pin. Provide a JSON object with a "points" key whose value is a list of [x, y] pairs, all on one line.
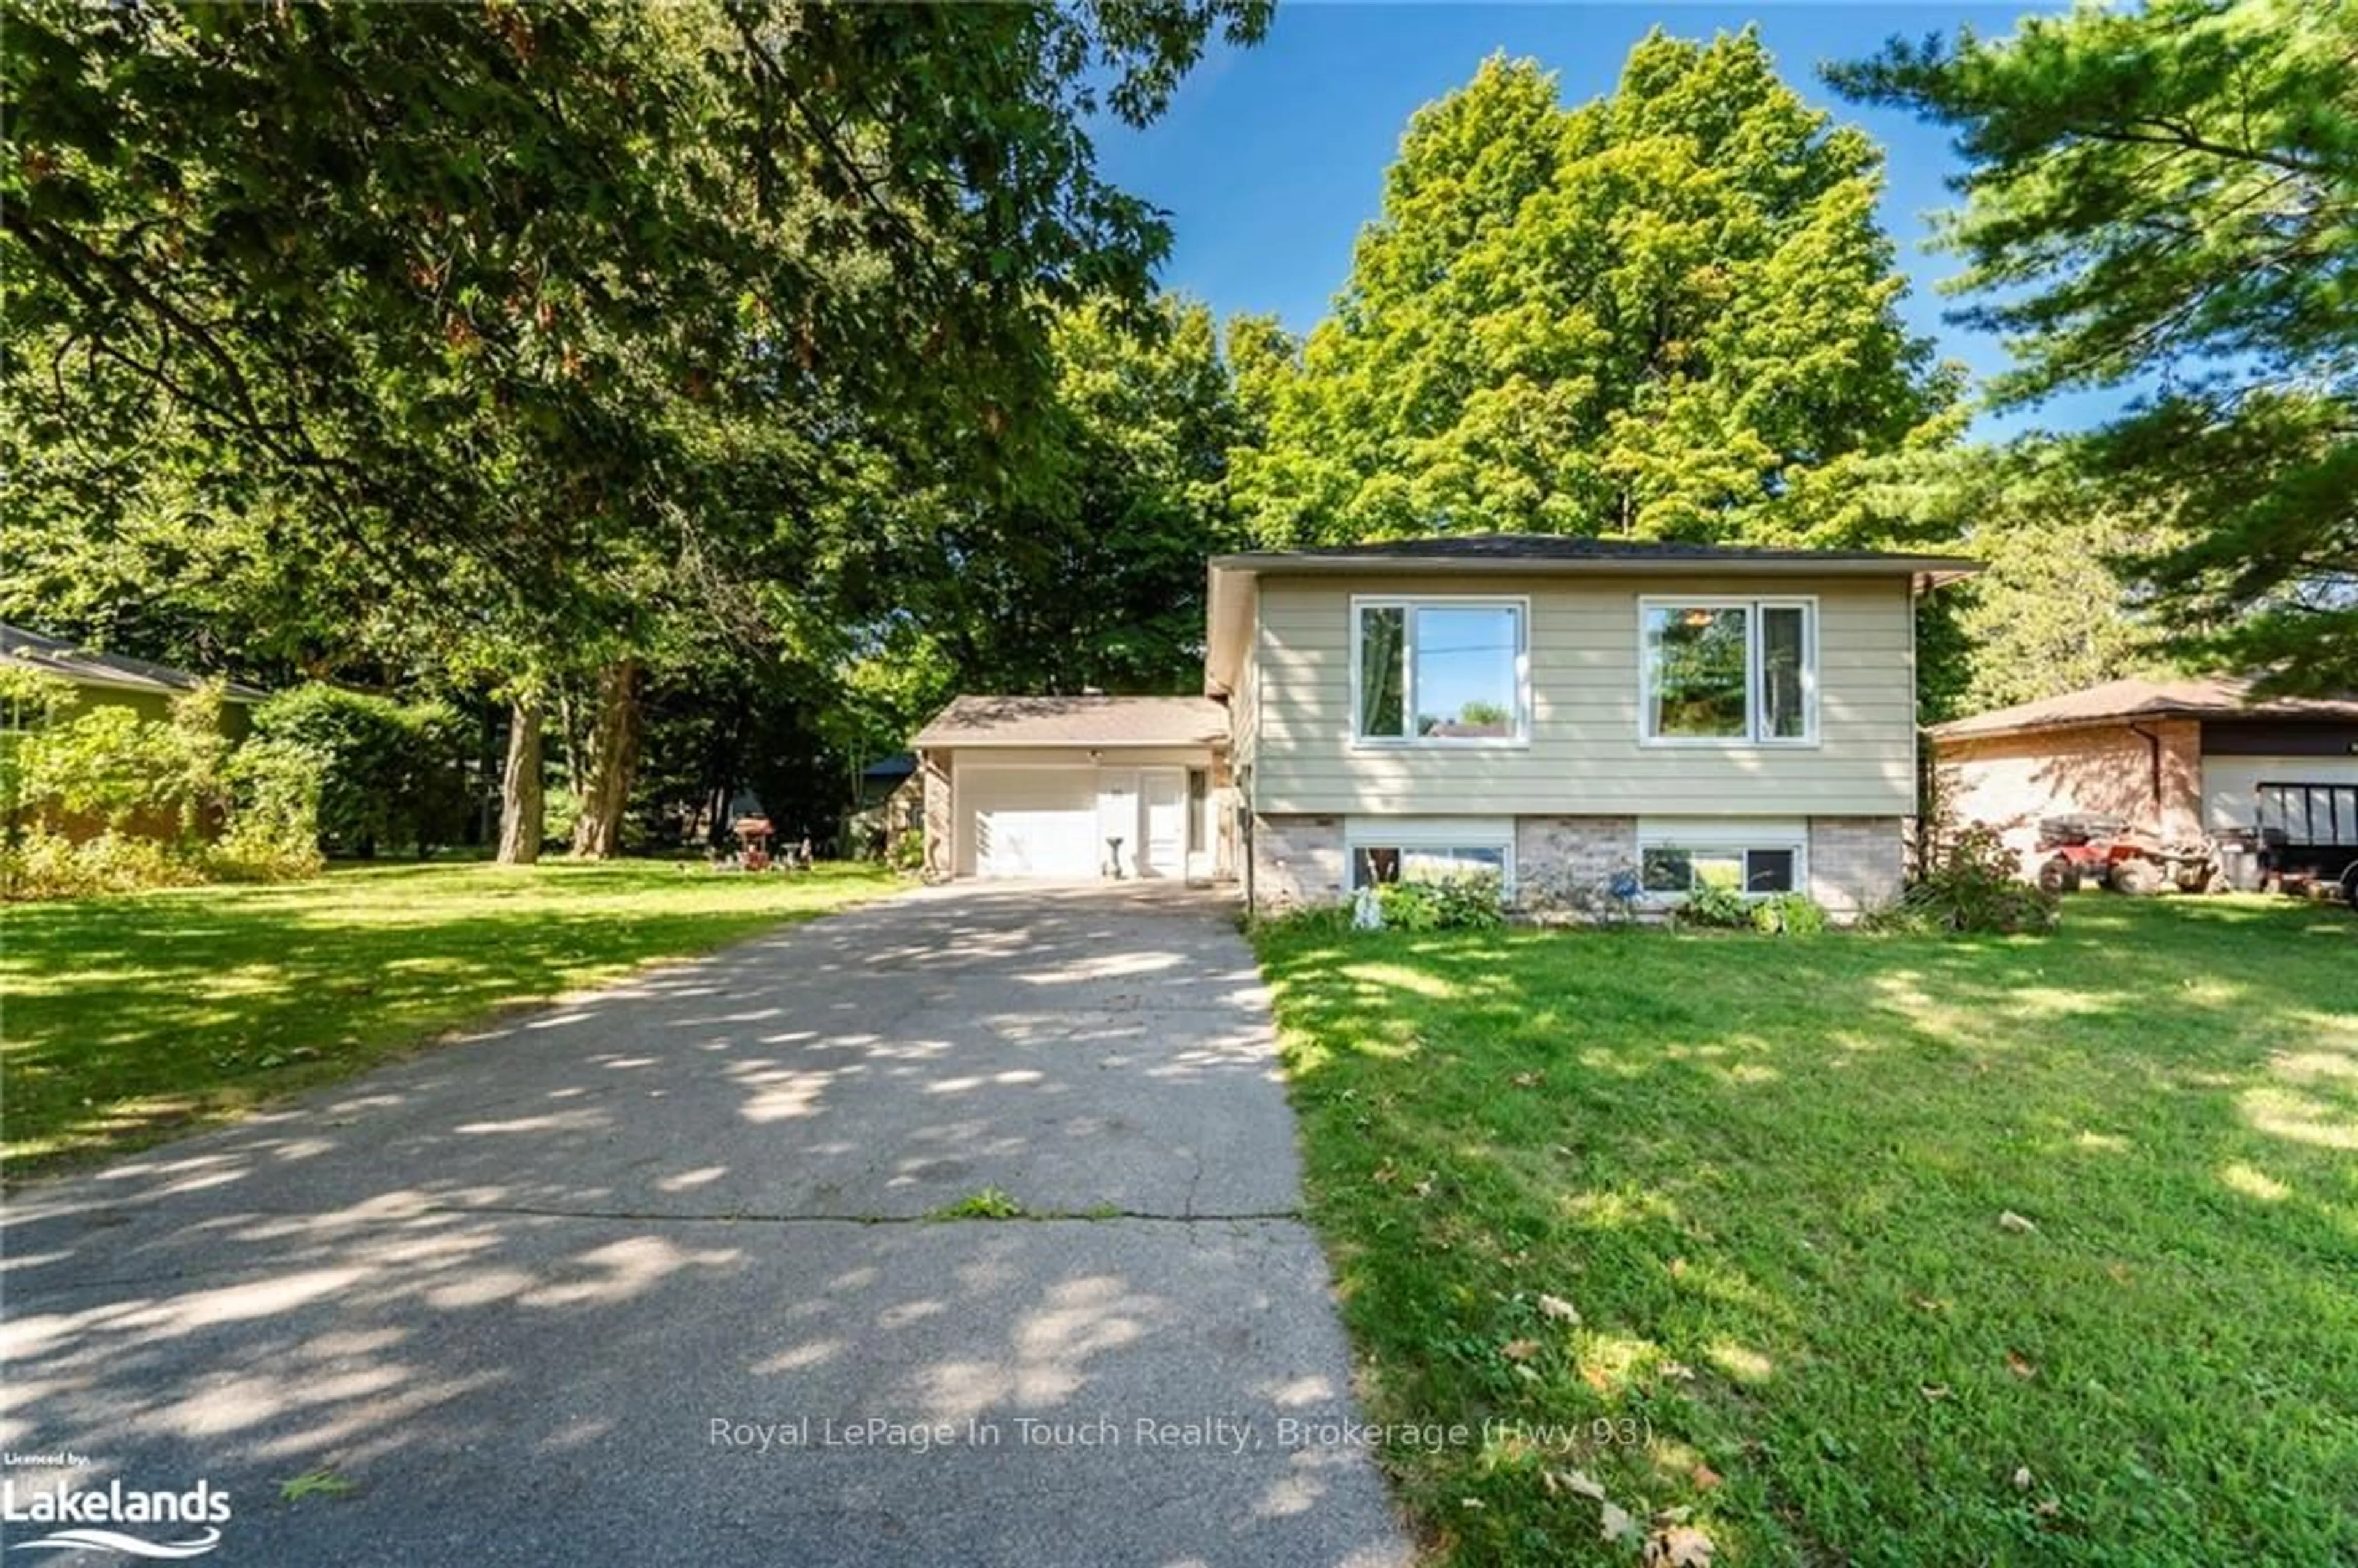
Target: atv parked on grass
{"points": [[2107, 852]]}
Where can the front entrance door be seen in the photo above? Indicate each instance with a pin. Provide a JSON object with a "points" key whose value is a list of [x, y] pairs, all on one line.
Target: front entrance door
{"points": [[1162, 811]]}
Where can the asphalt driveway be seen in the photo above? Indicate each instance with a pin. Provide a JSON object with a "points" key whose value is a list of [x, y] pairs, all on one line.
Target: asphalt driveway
{"points": [[649, 1276]]}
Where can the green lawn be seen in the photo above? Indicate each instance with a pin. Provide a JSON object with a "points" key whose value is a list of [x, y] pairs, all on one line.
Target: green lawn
{"points": [[130, 1018], [1769, 1175]]}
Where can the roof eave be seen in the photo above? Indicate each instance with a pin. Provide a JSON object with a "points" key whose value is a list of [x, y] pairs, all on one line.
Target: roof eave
{"points": [[1039, 743], [1926, 571]]}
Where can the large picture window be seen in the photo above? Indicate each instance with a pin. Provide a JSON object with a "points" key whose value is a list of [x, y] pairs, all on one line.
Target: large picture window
{"points": [[1730, 671], [1440, 672]]}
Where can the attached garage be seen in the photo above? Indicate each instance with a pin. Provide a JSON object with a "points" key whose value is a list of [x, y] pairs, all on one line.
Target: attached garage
{"points": [[1028, 821], [1064, 789]]}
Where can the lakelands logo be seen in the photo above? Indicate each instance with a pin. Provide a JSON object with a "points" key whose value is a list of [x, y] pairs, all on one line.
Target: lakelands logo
{"points": [[90, 1513]]}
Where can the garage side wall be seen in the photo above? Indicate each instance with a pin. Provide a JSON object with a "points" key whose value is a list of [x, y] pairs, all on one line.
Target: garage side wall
{"points": [[2009, 782], [940, 836]]}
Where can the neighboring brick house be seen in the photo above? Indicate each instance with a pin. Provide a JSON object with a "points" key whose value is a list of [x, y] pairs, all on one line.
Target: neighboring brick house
{"points": [[1559, 711], [2184, 758]]}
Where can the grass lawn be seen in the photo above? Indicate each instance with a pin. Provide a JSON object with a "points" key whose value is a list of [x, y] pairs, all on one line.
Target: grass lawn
{"points": [[130, 1019], [1768, 1176]]}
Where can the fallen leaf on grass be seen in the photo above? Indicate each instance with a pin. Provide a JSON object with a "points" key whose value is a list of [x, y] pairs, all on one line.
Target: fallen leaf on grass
{"points": [[1615, 1523], [2020, 1365], [1677, 1546], [1678, 1267], [2009, 1220], [1705, 1477], [1934, 1390], [2022, 1478], [1576, 1482], [1528, 1080], [1926, 1304], [1519, 1349], [1558, 1308], [2119, 1271], [1680, 1370]]}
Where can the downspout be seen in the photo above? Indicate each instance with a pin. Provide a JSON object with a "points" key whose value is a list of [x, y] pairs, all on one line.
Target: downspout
{"points": [[2153, 781]]}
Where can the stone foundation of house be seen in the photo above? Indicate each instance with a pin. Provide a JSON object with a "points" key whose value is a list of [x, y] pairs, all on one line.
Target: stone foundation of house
{"points": [[1856, 863], [1297, 861], [1565, 867]]}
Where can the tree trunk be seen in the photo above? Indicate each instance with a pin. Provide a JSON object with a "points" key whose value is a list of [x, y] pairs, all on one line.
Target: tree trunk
{"points": [[521, 818], [611, 763]]}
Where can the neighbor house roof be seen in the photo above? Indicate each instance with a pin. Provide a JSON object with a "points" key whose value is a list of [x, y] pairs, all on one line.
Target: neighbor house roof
{"points": [[56, 656], [1234, 576], [2215, 697], [1077, 721], [899, 765]]}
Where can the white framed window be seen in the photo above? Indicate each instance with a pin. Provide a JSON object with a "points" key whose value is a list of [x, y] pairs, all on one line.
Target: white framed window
{"points": [[1717, 671], [1758, 858], [1428, 849], [1441, 671]]}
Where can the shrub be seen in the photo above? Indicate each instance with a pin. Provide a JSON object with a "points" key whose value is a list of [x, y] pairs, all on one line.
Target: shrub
{"points": [[908, 852], [1466, 902], [1409, 906], [44, 863], [274, 822], [113, 767], [1715, 904], [390, 773], [1789, 915], [1968, 885]]}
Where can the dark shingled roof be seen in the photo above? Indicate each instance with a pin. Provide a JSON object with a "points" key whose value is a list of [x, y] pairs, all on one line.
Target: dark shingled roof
{"points": [[1580, 547], [56, 656]]}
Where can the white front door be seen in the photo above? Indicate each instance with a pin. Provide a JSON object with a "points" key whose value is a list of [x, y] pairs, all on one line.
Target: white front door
{"points": [[1162, 832]]}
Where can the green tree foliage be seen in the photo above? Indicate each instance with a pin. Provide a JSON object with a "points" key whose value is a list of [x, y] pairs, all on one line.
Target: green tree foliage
{"points": [[507, 334], [389, 772], [1091, 572], [2056, 607], [2167, 196], [1667, 313]]}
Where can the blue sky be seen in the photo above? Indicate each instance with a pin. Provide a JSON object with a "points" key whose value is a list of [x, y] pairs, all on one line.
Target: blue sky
{"points": [[1272, 157]]}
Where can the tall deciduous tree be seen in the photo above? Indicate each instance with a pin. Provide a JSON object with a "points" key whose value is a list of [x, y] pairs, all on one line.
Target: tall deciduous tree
{"points": [[1668, 312], [2167, 197], [1091, 572], [456, 286]]}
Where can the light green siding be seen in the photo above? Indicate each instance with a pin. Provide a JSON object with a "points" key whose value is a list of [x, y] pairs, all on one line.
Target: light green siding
{"points": [[1583, 755]]}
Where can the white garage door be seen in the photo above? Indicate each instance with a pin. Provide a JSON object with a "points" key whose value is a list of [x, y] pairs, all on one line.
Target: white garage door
{"points": [[1031, 822], [2231, 790]]}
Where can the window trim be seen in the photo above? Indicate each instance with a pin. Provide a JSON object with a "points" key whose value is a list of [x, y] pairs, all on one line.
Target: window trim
{"points": [[1520, 603], [1429, 833], [1807, 603], [1724, 837]]}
